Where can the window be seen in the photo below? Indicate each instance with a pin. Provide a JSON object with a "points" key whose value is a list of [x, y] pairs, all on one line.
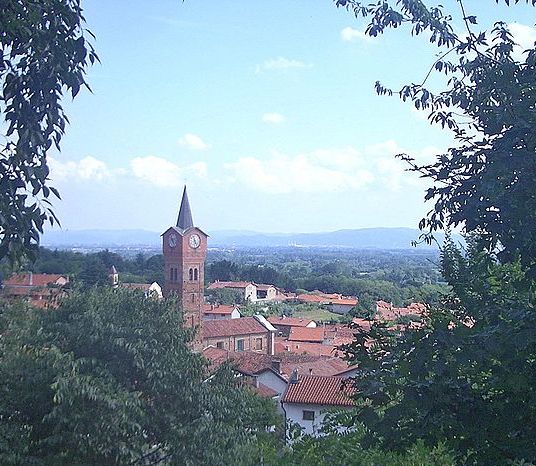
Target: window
{"points": [[257, 344], [219, 344], [171, 274], [308, 415], [175, 274], [239, 345], [196, 274], [193, 298], [191, 274]]}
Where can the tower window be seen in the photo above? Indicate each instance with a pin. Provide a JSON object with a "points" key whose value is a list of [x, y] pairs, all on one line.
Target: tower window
{"points": [[193, 298], [191, 274], [175, 274], [196, 274]]}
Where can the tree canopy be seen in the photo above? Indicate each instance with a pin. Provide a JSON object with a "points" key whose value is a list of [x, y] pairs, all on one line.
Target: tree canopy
{"points": [[44, 53], [108, 378], [485, 183]]}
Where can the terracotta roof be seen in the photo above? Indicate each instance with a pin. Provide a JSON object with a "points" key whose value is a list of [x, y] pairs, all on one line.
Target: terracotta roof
{"points": [[263, 287], [316, 365], [230, 327], [264, 391], [363, 324], [300, 347], [34, 279], [306, 334], [218, 285], [311, 298], [312, 389], [219, 309], [386, 311], [289, 321], [344, 302]]}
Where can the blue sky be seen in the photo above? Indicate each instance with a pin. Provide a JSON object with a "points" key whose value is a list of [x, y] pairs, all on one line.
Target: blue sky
{"points": [[266, 110]]}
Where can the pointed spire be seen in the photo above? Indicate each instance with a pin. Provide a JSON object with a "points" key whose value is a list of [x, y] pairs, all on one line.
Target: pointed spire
{"points": [[185, 214]]}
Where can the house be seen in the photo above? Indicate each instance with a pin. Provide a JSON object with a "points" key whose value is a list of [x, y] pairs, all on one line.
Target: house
{"points": [[244, 334], [309, 397], [248, 290], [306, 334], [40, 289], [260, 371], [387, 312], [266, 293], [148, 289], [220, 312], [283, 324], [342, 305]]}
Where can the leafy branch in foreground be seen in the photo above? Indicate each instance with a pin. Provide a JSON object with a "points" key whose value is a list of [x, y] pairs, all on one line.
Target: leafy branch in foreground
{"points": [[43, 54], [485, 184]]}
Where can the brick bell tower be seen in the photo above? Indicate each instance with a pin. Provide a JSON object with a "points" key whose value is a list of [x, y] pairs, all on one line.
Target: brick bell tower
{"points": [[185, 249]]}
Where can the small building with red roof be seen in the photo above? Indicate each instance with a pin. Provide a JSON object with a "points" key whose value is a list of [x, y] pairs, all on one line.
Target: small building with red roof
{"points": [[220, 312], [283, 324], [306, 334], [40, 289], [244, 334], [309, 397]]}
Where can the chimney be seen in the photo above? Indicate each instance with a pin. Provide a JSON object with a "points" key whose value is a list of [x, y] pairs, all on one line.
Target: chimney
{"points": [[294, 378], [276, 365]]}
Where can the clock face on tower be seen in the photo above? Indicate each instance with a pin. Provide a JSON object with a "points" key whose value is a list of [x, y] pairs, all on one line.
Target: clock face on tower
{"points": [[194, 241], [172, 240]]}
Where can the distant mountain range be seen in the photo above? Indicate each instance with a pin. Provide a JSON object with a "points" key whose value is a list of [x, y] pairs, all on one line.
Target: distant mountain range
{"points": [[365, 238]]}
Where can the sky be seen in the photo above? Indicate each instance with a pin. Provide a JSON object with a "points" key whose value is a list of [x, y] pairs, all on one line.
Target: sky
{"points": [[265, 110]]}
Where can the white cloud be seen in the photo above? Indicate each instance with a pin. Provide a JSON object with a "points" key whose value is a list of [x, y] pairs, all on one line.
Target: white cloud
{"points": [[524, 36], [349, 34], [281, 63], [330, 170], [194, 142], [319, 171], [88, 168], [163, 173], [274, 118]]}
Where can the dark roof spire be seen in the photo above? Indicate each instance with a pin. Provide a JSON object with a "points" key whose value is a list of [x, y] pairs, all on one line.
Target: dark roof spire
{"points": [[185, 214]]}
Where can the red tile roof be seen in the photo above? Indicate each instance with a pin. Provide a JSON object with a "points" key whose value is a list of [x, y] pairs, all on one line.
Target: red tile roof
{"points": [[344, 302], [299, 347], [230, 327], [219, 309], [317, 390], [34, 279], [289, 321], [306, 334], [263, 287], [264, 391], [219, 285], [316, 365]]}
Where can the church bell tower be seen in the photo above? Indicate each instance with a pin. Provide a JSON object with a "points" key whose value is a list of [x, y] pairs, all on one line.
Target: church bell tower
{"points": [[184, 247]]}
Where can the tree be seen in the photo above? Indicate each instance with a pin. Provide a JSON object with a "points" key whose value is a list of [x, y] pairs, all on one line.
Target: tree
{"points": [[108, 378], [485, 184], [467, 376], [44, 53], [470, 366]]}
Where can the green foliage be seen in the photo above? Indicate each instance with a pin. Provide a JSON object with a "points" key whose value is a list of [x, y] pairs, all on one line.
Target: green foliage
{"points": [[44, 55], [485, 183], [108, 378], [471, 366]]}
